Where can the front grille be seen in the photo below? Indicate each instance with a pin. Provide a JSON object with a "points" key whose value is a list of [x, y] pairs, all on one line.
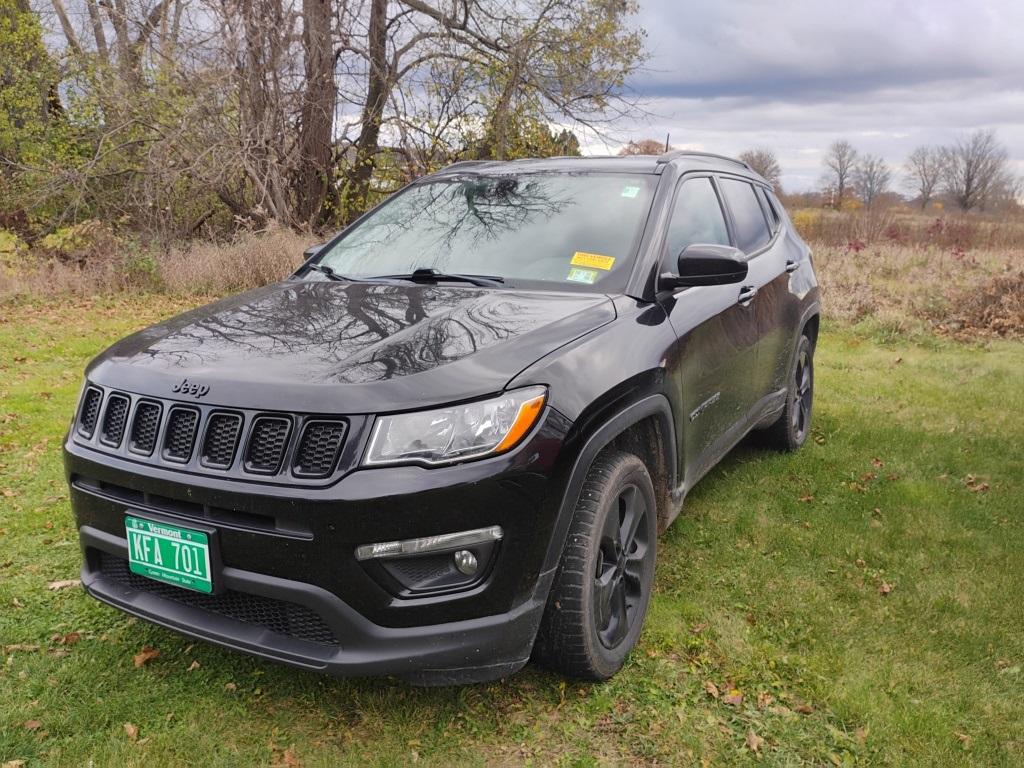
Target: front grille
{"points": [[267, 441], [144, 428], [319, 448], [221, 440], [90, 411], [280, 616], [114, 420], [181, 434], [245, 444]]}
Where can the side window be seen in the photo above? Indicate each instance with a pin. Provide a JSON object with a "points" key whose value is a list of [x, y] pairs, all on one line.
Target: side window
{"points": [[769, 208], [751, 228], [696, 218]]}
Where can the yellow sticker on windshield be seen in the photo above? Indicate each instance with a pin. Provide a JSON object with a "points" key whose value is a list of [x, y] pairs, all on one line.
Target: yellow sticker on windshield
{"points": [[592, 260]]}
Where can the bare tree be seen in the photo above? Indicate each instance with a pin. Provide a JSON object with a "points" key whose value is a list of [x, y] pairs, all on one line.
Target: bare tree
{"points": [[308, 111], [839, 164], [871, 177], [643, 147], [975, 169], [923, 173], [764, 162]]}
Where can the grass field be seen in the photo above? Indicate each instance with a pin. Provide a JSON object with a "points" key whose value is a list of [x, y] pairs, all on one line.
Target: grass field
{"points": [[859, 602]]}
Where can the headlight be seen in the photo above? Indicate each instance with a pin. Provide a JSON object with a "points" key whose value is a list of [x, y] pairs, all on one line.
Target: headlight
{"points": [[466, 431]]}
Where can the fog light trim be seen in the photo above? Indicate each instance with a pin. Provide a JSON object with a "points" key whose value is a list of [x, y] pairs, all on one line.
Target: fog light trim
{"points": [[428, 544]]}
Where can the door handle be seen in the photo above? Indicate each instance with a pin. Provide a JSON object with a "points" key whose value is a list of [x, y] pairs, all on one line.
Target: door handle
{"points": [[791, 266], [747, 294]]}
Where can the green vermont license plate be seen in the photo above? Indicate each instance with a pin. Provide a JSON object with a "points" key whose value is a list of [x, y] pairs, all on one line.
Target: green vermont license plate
{"points": [[168, 553]]}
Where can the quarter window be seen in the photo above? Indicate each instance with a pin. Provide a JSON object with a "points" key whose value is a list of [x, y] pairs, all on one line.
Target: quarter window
{"points": [[748, 218], [696, 218]]}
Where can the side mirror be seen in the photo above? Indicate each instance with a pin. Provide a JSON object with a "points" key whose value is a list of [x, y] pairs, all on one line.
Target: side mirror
{"points": [[312, 251], [706, 264]]}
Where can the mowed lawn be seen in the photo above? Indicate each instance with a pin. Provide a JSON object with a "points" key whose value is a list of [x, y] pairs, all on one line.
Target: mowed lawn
{"points": [[860, 602]]}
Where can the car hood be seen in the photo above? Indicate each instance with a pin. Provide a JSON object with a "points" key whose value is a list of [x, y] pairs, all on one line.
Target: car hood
{"points": [[333, 347]]}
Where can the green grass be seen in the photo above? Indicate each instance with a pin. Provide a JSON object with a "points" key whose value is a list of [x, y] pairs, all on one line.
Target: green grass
{"points": [[770, 584]]}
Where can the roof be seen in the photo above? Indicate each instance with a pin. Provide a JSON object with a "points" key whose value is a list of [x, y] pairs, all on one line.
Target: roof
{"points": [[655, 164]]}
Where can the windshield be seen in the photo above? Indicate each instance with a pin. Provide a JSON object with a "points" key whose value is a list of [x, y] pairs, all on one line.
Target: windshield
{"points": [[572, 230]]}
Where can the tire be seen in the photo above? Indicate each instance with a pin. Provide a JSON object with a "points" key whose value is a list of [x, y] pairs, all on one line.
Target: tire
{"points": [[790, 431], [599, 597]]}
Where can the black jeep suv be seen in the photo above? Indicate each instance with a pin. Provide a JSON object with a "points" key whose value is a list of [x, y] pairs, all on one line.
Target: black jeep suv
{"points": [[449, 441]]}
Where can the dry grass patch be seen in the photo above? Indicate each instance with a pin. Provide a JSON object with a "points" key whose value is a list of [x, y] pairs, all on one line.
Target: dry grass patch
{"points": [[911, 287]]}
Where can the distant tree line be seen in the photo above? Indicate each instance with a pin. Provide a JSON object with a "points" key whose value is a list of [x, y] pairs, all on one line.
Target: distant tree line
{"points": [[973, 172]]}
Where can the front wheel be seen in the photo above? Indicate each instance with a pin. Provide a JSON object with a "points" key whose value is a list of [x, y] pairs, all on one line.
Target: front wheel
{"points": [[794, 424], [599, 598]]}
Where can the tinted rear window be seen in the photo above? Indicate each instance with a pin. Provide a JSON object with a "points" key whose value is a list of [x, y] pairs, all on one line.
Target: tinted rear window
{"points": [[751, 228]]}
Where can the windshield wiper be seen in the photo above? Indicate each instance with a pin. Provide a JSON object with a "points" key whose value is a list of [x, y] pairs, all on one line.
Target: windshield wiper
{"points": [[323, 269], [431, 275]]}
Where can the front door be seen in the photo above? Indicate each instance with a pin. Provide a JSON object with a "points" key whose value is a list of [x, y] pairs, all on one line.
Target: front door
{"points": [[717, 335]]}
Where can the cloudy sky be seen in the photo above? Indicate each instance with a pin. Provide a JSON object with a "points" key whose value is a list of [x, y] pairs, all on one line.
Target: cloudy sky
{"points": [[794, 75]]}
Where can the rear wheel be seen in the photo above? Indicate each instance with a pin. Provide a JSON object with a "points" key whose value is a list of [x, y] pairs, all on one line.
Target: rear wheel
{"points": [[599, 598], [794, 424]]}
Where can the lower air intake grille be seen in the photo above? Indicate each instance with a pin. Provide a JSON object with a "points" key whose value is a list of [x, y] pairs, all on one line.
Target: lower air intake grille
{"points": [[221, 440], [278, 616], [114, 420], [181, 434], [267, 441], [90, 411], [318, 448], [144, 428]]}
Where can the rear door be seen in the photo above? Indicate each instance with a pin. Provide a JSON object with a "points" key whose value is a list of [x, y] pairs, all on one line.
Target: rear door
{"points": [[762, 294], [717, 337]]}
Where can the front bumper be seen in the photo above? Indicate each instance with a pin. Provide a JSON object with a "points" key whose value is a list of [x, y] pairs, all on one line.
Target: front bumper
{"points": [[293, 589]]}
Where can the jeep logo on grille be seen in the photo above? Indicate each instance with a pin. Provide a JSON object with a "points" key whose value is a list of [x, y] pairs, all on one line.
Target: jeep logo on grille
{"points": [[187, 387]]}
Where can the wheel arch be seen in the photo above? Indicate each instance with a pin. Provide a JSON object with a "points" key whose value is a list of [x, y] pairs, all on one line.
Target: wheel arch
{"points": [[645, 427]]}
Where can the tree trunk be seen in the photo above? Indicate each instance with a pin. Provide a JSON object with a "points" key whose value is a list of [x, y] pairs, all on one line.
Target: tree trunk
{"points": [[313, 175], [368, 144]]}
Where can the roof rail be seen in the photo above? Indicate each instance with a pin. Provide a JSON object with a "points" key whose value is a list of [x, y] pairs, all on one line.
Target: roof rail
{"points": [[668, 157]]}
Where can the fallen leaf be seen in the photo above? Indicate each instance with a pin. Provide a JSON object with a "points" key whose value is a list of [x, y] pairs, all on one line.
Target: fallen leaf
{"points": [[764, 699], [734, 698], [132, 731], [53, 586], [69, 639], [898, 360], [230, 687], [964, 739], [803, 708], [193, 666], [877, 463], [711, 689], [868, 477], [14, 764], [32, 725], [885, 588], [17, 603], [806, 499], [290, 760], [20, 647], [146, 655], [754, 741], [860, 563]]}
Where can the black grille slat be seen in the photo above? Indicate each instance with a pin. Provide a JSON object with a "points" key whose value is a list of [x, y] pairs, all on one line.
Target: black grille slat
{"points": [[145, 426], [90, 412], [221, 440], [319, 447], [280, 616], [115, 417], [268, 440], [180, 436]]}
